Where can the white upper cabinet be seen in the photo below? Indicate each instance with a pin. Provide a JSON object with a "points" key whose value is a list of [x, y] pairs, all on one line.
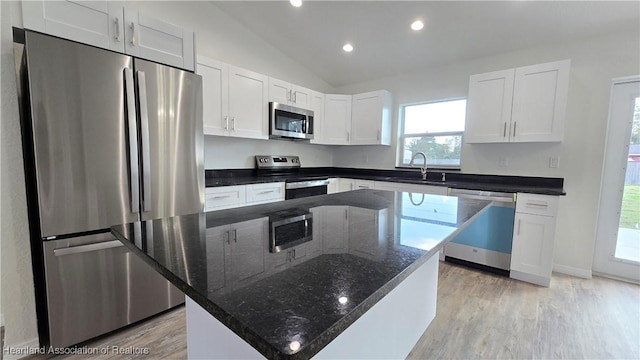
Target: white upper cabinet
{"points": [[286, 93], [248, 103], [153, 39], [371, 118], [317, 106], [109, 25], [97, 23], [234, 100], [540, 102], [336, 126], [525, 104], [489, 107]]}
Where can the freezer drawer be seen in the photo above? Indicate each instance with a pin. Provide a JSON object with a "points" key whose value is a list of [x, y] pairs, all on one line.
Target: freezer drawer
{"points": [[96, 285]]}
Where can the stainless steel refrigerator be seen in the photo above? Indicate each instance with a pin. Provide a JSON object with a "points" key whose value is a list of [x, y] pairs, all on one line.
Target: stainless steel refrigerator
{"points": [[107, 139]]}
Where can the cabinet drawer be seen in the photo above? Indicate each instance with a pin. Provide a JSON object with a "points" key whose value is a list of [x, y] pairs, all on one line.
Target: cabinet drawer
{"points": [[263, 193], [364, 184], [224, 197], [537, 204]]}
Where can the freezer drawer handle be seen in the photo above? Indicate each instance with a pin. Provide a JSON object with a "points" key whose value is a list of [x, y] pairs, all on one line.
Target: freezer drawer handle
{"points": [[87, 248], [144, 134], [134, 185]]}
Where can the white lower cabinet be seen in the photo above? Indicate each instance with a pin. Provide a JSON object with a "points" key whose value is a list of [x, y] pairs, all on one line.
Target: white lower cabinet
{"points": [[334, 186], [264, 193], [533, 238], [345, 184], [227, 197], [335, 229], [224, 197]]}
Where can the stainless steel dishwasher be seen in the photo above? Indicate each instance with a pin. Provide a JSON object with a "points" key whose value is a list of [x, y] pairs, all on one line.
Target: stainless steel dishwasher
{"points": [[486, 241]]}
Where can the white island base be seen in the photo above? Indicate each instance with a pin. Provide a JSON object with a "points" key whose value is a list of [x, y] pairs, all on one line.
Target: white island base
{"points": [[389, 330]]}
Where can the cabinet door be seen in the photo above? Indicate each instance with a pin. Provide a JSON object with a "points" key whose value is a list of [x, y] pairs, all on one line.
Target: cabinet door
{"points": [[335, 229], [279, 91], [97, 23], [301, 97], [153, 39], [371, 118], [489, 107], [539, 102], [334, 186], [337, 119], [532, 249], [346, 185], [248, 103], [314, 247], [215, 95], [317, 106], [216, 239], [247, 245]]}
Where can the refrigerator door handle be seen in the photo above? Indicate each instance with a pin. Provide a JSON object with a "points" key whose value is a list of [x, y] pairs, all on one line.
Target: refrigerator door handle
{"points": [[144, 135], [134, 174]]}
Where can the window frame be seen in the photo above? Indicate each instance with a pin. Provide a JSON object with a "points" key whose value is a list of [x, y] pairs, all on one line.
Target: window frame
{"points": [[402, 136]]}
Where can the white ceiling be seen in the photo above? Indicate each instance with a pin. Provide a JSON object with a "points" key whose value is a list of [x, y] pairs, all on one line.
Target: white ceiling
{"points": [[384, 44]]}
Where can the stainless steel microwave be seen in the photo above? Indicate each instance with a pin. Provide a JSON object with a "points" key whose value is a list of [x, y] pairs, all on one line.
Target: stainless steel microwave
{"points": [[290, 122]]}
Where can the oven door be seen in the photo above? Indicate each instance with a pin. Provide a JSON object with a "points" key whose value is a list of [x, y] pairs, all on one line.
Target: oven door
{"points": [[287, 233], [290, 122], [302, 189]]}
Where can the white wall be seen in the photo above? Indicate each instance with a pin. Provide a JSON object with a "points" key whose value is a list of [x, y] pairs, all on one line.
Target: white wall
{"points": [[17, 281], [237, 153], [594, 63]]}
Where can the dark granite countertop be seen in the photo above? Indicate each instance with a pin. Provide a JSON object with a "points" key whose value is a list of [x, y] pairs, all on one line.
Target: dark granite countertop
{"points": [[512, 184], [364, 244]]}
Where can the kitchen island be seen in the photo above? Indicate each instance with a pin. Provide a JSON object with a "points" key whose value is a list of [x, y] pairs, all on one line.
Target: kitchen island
{"points": [[363, 285]]}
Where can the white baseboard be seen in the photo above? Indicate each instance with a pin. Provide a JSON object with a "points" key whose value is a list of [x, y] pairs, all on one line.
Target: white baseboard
{"points": [[568, 270], [30, 344]]}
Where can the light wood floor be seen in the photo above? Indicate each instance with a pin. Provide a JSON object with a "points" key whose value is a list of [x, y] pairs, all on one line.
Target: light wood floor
{"points": [[479, 316]]}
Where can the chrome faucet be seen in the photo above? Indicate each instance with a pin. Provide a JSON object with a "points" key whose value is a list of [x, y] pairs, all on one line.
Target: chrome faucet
{"points": [[423, 169]]}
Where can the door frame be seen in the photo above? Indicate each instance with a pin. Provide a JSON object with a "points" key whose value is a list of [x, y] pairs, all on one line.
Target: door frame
{"points": [[604, 261]]}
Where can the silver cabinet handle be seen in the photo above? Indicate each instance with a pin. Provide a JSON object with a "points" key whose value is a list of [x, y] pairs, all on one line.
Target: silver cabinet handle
{"points": [[514, 128], [87, 248], [528, 203], [226, 123], [379, 134], [266, 192], [116, 24], [235, 235], [225, 237], [288, 95], [144, 135], [362, 187], [504, 130], [133, 36], [518, 231], [233, 123], [221, 197], [134, 182], [295, 100], [348, 136]]}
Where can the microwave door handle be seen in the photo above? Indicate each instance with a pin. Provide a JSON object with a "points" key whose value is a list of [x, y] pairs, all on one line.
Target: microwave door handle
{"points": [[134, 182]]}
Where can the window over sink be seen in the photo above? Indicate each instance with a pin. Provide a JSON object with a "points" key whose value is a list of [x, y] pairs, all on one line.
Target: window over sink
{"points": [[434, 128]]}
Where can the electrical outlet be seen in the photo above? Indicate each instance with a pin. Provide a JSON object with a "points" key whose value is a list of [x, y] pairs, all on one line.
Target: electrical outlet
{"points": [[554, 162], [503, 162]]}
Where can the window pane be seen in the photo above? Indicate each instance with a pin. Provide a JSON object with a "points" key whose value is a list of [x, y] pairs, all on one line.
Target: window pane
{"points": [[440, 150], [446, 116]]}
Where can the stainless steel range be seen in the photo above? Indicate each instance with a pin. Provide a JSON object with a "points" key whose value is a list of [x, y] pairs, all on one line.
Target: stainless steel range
{"points": [[297, 184]]}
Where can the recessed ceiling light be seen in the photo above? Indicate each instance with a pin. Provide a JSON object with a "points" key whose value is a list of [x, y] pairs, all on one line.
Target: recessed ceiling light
{"points": [[417, 25], [296, 3], [347, 47]]}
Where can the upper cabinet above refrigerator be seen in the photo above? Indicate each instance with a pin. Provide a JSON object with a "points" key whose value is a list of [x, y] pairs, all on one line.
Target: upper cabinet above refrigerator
{"points": [[109, 25]]}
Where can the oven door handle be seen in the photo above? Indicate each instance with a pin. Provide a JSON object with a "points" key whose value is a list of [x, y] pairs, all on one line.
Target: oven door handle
{"points": [[306, 184]]}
